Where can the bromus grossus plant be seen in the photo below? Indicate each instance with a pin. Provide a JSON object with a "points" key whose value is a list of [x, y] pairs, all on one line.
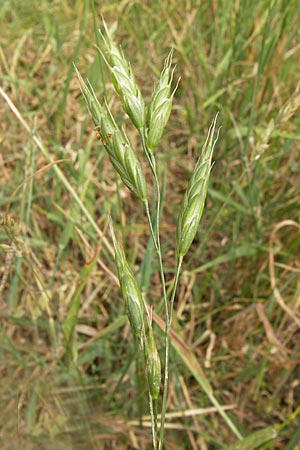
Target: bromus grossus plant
{"points": [[150, 121]]}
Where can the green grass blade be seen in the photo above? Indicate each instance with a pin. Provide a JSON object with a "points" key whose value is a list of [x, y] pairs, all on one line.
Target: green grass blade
{"points": [[72, 316], [246, 250], [255, 440]]}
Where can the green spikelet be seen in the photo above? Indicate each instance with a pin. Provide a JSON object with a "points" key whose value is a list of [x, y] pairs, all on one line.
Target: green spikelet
{"points": [[121, 154], [130, 291], [123, 80], [153, 366], [194, 197], [160, 106], [124, 159]]}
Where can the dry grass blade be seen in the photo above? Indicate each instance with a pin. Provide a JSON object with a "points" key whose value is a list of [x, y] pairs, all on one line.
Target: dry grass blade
{"points": [[57, 170]]}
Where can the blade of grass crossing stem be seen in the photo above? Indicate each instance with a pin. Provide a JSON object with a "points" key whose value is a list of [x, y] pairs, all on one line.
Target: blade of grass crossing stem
{"points": [[72, 316], [294, 441]]}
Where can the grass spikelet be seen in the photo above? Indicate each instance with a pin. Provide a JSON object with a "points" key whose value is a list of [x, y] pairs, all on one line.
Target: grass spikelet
{"points": [[153, 365], [124, 159], [90, 98], [161, 105], [121, 154], [130, 290], [123, 80], [194, 198]]}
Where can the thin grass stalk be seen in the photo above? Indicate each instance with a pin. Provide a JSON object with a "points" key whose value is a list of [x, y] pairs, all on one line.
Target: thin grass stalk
{"points": [[167, 348], [153, 410], [153, 422], [152, 403], [156, 240], [156, 237], [168, 308], [153, 374]]}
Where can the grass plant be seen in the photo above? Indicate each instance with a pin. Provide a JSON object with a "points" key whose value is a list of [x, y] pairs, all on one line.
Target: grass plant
{"points": [[221, 298], [150, 122]]}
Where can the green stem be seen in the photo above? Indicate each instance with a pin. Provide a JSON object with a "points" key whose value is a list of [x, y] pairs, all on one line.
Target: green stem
{"points": [[153, 413], [158, 251], [167, 347], [168, 312]]}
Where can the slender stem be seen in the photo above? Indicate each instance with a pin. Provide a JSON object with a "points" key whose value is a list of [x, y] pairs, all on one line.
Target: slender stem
{"points": [[167, 347], [156, 236], [158, 251], [168, 310], [153, 414], [178, 269], [155, 408]]}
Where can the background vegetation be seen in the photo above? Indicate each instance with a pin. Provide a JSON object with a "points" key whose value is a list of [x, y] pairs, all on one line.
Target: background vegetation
{"points": [[237, 309]]}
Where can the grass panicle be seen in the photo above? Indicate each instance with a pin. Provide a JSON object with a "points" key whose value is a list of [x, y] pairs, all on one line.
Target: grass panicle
{"points": [[125, 162], [69, 369]]}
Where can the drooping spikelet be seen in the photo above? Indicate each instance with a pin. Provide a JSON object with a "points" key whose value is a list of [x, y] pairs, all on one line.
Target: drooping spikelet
{"points": [[130, 290], [120, 152], [194, 198]]}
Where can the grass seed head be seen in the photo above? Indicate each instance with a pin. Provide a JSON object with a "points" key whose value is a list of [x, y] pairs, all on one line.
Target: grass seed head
{"points": [[161, 105], [194, 198], [124, 158], [90, 98], [153, 365], [121, 155], [130, 290], [123, 80]]}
